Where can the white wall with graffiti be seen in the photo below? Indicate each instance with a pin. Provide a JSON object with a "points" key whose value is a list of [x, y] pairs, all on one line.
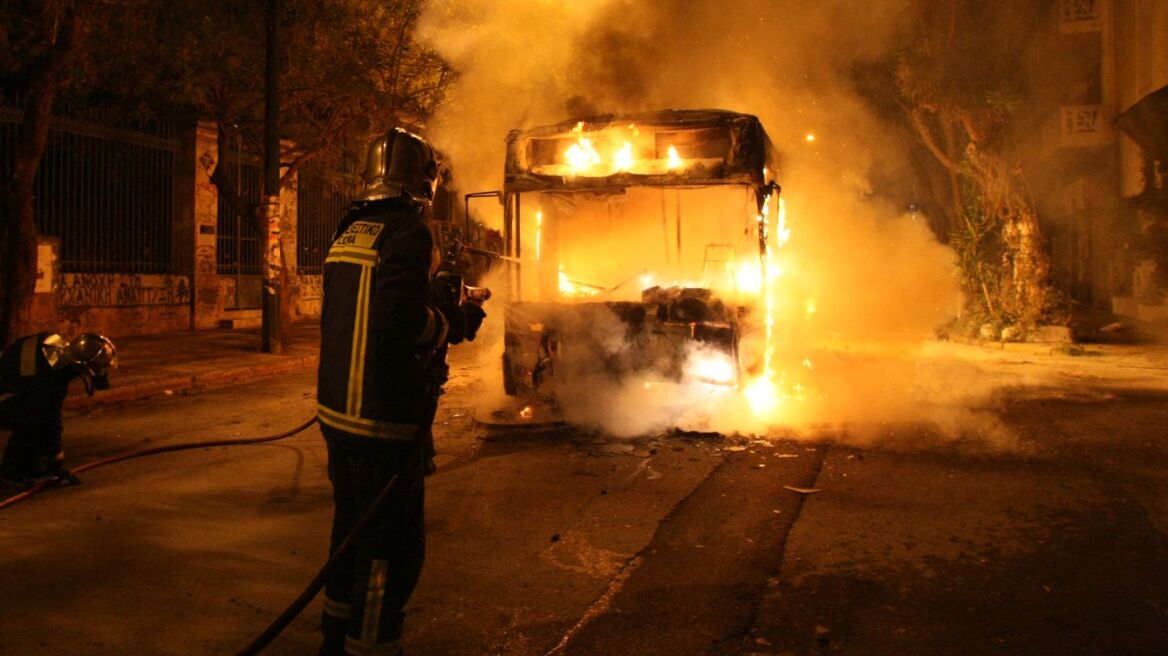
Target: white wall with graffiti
{"points": [[123, 303], [122, 289], [195, 295]]}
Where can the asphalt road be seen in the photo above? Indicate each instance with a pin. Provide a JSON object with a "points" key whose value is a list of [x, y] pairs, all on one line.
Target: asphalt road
{"points": [[565, 541]]}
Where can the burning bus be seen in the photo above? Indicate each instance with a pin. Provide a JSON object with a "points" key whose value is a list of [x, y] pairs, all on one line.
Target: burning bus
{"points": [[636, 244]]}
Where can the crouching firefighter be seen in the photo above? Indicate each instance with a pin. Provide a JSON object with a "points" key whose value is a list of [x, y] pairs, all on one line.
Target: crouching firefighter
{"points": [[35, 373], [383, 334]]}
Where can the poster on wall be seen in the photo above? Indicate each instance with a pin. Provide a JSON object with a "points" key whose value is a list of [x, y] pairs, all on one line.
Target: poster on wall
{"points": [[44, 274]]}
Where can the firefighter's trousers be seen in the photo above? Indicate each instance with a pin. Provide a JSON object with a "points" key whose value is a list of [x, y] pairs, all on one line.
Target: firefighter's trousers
{"points": [[366, 590], [35, 444]]}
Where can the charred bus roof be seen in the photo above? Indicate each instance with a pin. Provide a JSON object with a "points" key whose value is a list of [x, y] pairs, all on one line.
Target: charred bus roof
{"points": [[671, 148]]}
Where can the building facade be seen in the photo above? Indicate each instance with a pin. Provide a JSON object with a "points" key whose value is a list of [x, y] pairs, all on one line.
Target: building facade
{"points": [[1093, 141], [136, 239]]}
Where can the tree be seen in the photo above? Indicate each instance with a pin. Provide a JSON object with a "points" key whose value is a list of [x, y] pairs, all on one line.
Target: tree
{"points": [[42, 41], [958, 83], [349, 68]]}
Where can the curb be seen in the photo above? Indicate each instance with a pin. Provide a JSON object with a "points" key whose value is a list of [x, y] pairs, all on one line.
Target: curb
{"points": [[223, 376]]}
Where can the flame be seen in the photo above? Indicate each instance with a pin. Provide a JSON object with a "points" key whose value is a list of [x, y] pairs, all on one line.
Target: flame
{"points": [[711, 366], [748, 278], [784, 229], [568, 288], [614, 150], [581, 155], [763, 393], [623, 160]]}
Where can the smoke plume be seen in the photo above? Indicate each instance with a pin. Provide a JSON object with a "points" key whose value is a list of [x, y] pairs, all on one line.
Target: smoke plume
{"points": [[855, 269]]}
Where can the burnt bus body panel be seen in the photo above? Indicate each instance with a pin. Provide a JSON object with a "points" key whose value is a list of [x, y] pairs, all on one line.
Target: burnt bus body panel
{"points": [[738, 139]]}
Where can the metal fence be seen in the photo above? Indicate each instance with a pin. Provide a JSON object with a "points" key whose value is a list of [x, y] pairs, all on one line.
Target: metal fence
{"points": [[238, 241], [320, 206], [238, 246], [107, 194]]}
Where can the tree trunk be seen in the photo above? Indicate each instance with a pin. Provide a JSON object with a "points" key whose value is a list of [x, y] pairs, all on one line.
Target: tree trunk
{"points": [[19, 202], [276, 308]]}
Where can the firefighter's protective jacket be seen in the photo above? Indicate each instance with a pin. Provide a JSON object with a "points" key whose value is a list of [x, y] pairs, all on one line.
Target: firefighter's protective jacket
{"points": [[379, 324], [28, 367]]}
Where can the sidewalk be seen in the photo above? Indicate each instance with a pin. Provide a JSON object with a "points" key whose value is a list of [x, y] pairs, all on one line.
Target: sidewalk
{"points": [[149, 365], [157, 364]]}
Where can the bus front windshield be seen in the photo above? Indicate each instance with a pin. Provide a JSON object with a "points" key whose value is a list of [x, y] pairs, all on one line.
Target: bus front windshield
{"points": [[609, 246]]}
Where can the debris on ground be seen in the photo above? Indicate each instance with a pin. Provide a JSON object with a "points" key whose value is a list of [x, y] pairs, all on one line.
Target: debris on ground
{"points": [[822, 634], [1075, 351], [612, 448], [802, 490]]}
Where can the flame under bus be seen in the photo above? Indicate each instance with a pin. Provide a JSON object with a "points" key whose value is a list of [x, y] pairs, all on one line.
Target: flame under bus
{"points": [[637, 245]]}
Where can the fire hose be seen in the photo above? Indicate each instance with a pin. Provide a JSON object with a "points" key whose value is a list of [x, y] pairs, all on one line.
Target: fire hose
{"points": [[310, 591], [68, 476], [298, 605]]}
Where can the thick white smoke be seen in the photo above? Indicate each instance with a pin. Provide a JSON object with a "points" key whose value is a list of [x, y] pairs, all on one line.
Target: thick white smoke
{"points": [[866, 269]]}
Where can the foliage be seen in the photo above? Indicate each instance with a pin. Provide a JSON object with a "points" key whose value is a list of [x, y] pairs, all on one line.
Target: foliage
{"points": [[959, 84], [348, 68], [48, 35]]}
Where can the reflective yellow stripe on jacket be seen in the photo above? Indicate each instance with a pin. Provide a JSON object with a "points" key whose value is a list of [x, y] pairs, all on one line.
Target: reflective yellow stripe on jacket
{"points": [[365, 427], [357, 246]]}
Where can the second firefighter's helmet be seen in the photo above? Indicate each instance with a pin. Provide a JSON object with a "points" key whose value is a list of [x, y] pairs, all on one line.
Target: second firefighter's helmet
{"points": [[94, 356], [400, 162]]}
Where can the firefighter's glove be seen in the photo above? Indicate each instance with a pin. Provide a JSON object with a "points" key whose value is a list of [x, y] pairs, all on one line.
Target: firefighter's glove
{"points": [[474, 314], [455, 321]]}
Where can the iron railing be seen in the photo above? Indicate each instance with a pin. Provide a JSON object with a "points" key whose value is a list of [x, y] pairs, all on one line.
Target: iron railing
{"points": [[238, 242], [107, 194], [320, 206], [239, 249]]}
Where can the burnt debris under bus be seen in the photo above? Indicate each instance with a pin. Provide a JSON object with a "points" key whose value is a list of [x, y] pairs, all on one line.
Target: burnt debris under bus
{"points": [[629, 242]]}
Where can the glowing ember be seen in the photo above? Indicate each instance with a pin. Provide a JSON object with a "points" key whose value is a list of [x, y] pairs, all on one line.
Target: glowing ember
{"points": [[810, 306], [674, 161], [526, 413], [810, 137]]}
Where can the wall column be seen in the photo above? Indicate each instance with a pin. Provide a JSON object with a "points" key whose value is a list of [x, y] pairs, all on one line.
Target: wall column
{"points": [[207, 298]]}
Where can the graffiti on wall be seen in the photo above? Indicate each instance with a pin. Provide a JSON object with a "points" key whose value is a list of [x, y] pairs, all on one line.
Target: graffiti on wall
{"points": [[311, 287], [122, 289]]}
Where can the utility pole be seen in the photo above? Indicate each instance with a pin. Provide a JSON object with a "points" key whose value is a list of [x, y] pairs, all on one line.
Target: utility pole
{"points": [[275, 338]]}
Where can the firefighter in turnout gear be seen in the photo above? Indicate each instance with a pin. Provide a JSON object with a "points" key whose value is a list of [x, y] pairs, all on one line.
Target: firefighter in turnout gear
{"points": [[383, 338], [35, 373]]}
